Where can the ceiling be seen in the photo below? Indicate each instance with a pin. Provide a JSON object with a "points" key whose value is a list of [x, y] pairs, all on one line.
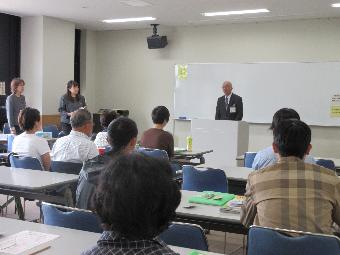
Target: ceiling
{"points": [[89, 13]]}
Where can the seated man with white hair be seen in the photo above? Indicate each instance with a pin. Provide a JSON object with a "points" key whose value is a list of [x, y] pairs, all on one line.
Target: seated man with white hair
{"points": [[77, 146]]}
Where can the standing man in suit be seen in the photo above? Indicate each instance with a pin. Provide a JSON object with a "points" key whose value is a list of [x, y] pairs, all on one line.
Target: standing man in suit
{"points": [[229, 106]]}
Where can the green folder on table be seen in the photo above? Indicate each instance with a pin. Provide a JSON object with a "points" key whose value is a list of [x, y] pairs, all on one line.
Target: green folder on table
{"points": [[202, 198], [196, 253]]}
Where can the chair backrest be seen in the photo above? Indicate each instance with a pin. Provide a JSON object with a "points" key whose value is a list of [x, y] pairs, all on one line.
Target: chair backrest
{"points": [[66, 167], [155, 153], [249, 159], [70, 218], [10, 139], [6, 129], [53, 129], [204, 180], [326, 163], [21, 161], [185, 235], [267, 241]]}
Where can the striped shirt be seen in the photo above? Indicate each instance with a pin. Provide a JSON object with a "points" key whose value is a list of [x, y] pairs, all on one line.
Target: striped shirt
{"points": [[110, 244], [294, 195], [75, 147]]}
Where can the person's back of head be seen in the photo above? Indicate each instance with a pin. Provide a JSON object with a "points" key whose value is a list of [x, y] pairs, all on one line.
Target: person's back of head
{"points": [[160, 115], [292, 137], [107, 117], [136, 197], [284, 114], [81, 121], [122, 134], [28, 118]]}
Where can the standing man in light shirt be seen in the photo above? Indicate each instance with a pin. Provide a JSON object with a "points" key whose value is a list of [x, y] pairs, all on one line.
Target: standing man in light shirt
{"points": [[229, 106], [77, 146]]}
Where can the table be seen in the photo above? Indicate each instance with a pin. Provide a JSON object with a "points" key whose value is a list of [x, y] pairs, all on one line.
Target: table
{"points": [[189, 155], [33, 184], [71, 241], [208, 216]]}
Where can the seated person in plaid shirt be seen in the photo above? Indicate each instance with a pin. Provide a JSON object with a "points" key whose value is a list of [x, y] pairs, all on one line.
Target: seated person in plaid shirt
{"points": [[293, 194], [136, 199]]}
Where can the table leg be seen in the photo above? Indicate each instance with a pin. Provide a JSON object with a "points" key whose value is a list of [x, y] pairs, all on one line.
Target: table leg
{"points": [[18, 204]]}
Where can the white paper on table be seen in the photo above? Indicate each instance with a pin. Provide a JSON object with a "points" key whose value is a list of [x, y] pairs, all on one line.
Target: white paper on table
{"points": [[25, 241]]}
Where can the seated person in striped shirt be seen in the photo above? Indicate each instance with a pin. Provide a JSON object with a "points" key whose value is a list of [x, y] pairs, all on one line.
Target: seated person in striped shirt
{"points": [[77, 146], [267, 156], [136, 199], [293, 194]]}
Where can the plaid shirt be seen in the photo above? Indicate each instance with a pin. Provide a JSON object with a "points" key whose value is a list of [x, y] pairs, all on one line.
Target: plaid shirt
{"points": [[110, 244], [293, 195]]}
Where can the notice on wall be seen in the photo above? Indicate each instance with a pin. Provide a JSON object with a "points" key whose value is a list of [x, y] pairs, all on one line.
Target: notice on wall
{"points": [[182, 72], [335, 106]]}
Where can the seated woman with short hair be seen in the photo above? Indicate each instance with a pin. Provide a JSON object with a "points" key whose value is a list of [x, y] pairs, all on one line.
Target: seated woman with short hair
{"points": [[28, 143], [156, 137], [105, 119], [136, 199]]}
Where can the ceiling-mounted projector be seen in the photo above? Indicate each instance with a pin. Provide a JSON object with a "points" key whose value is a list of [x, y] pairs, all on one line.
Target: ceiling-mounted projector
{"points": [[155, 41]]}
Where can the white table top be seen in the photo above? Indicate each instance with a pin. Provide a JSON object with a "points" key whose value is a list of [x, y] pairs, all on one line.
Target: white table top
{"points": [[238, 173], [200, 211], [11, 177], [71, 241]]}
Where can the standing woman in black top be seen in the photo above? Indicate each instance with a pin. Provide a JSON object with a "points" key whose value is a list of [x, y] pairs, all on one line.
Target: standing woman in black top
{"points": [[69, 103]]}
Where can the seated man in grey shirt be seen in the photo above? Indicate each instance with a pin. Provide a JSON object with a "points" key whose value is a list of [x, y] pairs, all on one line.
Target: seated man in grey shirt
{"points": [[267, 157]]}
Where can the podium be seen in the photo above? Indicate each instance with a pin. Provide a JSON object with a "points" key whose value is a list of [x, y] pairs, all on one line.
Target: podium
{"points": [[226, 138]]}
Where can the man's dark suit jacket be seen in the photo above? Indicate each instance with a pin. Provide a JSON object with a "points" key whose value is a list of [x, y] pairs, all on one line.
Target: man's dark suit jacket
{"points": [[223, 113]]}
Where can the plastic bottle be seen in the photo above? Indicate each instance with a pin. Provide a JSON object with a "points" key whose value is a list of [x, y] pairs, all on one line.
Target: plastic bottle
{"points": [[189, 143]]}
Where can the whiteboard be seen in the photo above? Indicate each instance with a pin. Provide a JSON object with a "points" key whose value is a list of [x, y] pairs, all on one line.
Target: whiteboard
{"points": [[264, 87]]}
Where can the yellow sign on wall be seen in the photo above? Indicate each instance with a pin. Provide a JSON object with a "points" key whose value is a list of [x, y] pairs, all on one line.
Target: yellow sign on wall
{"points": [[335, 106], [182, 72]]}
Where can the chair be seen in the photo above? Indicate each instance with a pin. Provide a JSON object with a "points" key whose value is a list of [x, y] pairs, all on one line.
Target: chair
{"points": [[10, 139], [53, 129], [185, 235], [155, 153], [268, 241], [6, 129], [70, 218], [66, 167], [249, 159], [204, 180], [19, 161], [326, 163]]}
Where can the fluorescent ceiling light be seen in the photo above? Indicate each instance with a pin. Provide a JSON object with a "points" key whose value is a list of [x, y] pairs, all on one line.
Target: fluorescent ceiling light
{"points": [[128, 20], [336, 5], [211, 14]]}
